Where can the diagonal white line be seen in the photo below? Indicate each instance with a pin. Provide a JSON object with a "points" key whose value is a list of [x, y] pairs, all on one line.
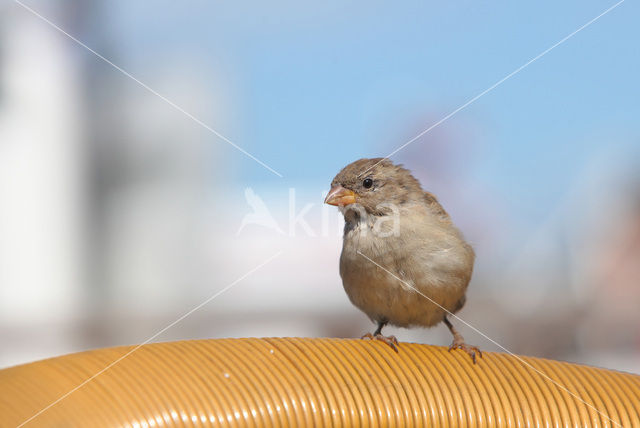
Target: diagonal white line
{"points": [[498, 83], [151, 338], [490, 339], [148, 88]]}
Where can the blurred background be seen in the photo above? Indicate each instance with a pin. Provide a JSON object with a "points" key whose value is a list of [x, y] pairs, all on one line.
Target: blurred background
{"points": [[120, 212]]}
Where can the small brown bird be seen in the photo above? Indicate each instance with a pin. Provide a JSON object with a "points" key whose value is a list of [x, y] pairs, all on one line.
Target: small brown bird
{"points": [[403, 261]]}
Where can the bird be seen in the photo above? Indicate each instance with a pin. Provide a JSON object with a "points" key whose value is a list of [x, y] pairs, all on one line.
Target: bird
{"points": [[403, 261]]}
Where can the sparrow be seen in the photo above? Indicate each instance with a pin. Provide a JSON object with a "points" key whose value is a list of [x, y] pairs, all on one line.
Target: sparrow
{"points": [[403, 261]]}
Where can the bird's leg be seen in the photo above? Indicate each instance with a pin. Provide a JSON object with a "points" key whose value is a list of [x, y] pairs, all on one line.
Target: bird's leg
{"points": [[379, 329], [389, 340], [458, 342]]}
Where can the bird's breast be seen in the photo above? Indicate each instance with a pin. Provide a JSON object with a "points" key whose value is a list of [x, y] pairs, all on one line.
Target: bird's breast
{"points": [[399, 276]]}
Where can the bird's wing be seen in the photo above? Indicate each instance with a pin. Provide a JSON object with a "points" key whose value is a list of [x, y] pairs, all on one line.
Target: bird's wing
{"points": [[433, 203]]}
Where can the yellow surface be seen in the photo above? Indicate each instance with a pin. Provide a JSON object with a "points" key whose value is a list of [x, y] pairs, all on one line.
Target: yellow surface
{"points": [[311, 382]]}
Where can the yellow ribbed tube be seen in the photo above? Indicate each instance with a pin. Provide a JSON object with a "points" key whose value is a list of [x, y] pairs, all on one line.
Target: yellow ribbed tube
{"points": [[311, 382]]}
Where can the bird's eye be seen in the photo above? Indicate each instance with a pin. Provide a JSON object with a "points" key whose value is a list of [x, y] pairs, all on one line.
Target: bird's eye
{"points": [[367, 183]]}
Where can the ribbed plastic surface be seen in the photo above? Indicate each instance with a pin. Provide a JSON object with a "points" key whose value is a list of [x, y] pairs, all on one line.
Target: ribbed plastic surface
{"points": [[312, 382]]}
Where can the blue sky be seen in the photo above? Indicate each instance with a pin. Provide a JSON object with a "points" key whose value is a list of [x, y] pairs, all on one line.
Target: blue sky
{"points": [[318, 85]]}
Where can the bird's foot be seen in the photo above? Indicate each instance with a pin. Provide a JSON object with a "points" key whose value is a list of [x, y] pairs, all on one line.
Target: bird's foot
{"points": [[469, 349], [389, 340]]}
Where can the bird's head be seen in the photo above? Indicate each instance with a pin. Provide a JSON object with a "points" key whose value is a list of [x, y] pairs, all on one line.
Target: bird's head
{"points": [[374, 184]]}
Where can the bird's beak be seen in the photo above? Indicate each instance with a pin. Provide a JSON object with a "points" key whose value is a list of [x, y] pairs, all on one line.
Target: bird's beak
{"points": [[340, 196]]}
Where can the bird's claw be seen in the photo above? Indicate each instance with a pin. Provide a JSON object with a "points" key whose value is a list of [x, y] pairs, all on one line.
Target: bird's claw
{"points": [[469, 349], [389, 340]]}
